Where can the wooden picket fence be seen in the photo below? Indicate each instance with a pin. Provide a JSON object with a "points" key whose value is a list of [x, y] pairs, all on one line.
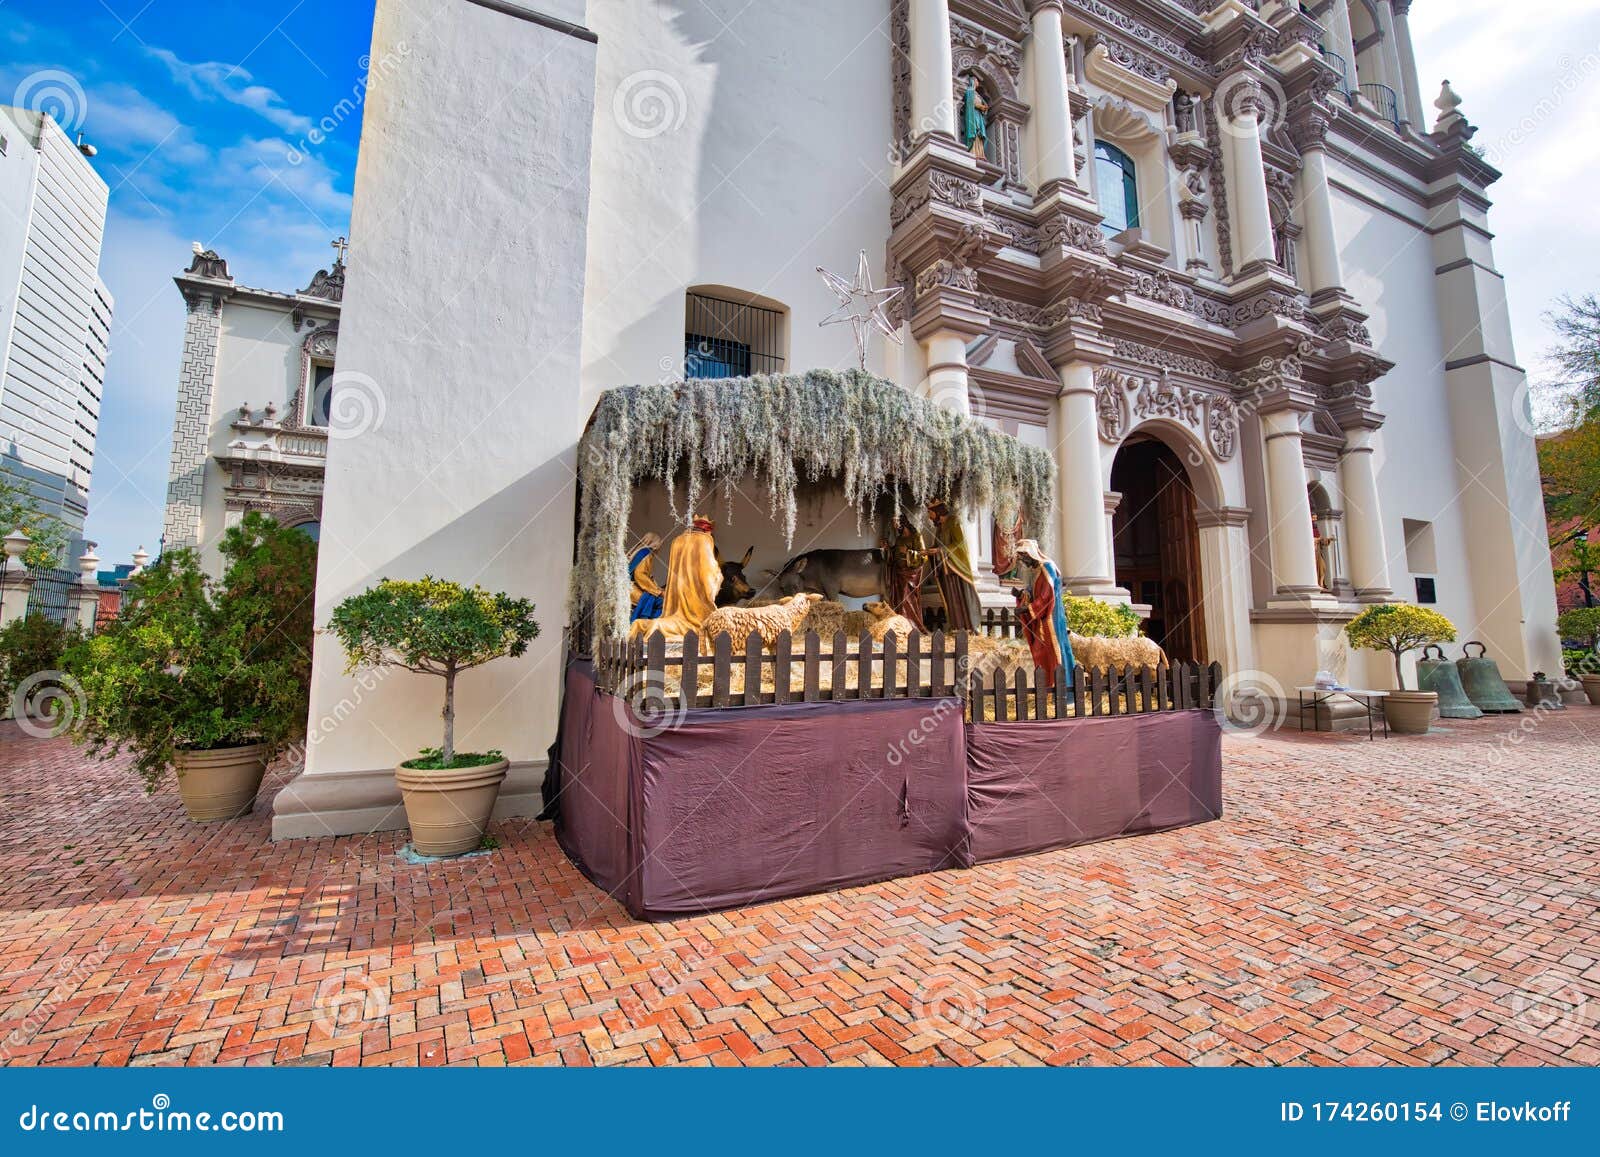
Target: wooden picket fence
{"points": [[657, 678]]}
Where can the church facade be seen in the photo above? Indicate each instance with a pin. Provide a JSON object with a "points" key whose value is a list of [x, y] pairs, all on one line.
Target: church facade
{"points": [[255, 387], [1218, 255]]}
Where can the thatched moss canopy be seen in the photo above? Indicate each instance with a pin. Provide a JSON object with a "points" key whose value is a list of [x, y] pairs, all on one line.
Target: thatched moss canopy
{"points": [[878, 440]]}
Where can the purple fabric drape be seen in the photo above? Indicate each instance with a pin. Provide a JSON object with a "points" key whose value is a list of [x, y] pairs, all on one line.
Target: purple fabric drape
{"points": [[1036, 786], [737, 807]]}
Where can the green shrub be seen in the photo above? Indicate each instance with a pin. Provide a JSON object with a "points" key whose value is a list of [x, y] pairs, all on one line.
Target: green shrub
{"points": [[438, 628], [28, 646], [1398, 628], [1092, 617], [1580, 623], [192, 664], [1579, 662]]}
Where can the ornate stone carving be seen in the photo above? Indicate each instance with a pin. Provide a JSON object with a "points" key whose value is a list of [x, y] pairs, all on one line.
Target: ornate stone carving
{"points": [[1222, 427], [1219, 194], [1170, 359], [1121, 398], [1141, 32], [946, 274], [1149, 67], [327, 284], [1111, 406], [1061, 229], [945, 188], [900, 72], [207, 263]]}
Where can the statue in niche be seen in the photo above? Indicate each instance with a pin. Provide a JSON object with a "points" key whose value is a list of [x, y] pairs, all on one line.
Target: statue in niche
{"points": [[974, 120], [1183, 112], [1324, 540]]}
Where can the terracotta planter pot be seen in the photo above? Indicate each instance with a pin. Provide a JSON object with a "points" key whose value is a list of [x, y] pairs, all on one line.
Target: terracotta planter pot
{"points": [[1410, 712], [449, 810], [1591, 688], [220, 784]]}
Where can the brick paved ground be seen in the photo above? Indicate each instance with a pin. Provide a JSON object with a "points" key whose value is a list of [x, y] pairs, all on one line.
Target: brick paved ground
{"points": [[1400, 902]]}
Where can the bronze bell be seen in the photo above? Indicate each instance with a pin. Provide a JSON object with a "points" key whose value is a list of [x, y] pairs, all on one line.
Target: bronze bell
{"points": [[1481, 680], [1440, 675]]}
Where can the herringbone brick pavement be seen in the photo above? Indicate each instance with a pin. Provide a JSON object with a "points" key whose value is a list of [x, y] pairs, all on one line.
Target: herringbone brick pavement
{"points": [[1415, 901]]}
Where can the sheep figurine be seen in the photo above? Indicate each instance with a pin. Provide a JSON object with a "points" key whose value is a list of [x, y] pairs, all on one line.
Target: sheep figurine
{"points": [[769, 622], [884, 620], [1099, 653]]}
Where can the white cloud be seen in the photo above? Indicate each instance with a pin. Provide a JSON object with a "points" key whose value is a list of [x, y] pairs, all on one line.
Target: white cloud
{"points": [[212, 79]]}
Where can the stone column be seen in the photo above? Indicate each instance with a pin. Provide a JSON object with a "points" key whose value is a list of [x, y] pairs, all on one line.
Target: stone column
{"points": [[83, 603], [1052, 110], [1365, 549], [1080, 490], [1340, 38], [1225, 574], [932, 69], [1324, 271], [1294, 554], [1415, 109], [1394, 75], [946, 353], [1251, 207], [15, 581]]}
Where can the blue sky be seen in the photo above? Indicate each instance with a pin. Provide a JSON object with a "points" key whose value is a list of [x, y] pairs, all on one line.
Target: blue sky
{"points": [[197, 108]]}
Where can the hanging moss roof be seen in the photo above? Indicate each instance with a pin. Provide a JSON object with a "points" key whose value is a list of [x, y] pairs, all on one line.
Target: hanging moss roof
{"points": [[695, 437]]}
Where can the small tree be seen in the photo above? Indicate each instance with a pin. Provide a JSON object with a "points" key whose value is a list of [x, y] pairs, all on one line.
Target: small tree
{"points": [[1581, 623], [437, 628], [191, 664], [1398, 628]]}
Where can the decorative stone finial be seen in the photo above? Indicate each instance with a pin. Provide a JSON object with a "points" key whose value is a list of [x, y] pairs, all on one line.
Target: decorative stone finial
{"points": [[207, 263], [88, 567], [17, 543], [1449, 105], [141, 559]]}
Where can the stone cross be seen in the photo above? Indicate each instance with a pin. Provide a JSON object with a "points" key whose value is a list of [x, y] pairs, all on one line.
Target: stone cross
{"points": [[342, 245]]}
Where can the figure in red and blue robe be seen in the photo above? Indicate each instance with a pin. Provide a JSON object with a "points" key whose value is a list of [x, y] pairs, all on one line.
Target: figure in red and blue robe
{"points": [[1043, 615]]}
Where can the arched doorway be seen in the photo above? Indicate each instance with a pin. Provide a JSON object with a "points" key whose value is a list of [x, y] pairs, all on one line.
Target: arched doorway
{"points": [[1156, 545]]}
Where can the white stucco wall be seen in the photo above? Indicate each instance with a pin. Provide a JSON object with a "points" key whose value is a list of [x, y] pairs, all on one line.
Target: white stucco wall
{"points": [[743, 157], [464, 314]]}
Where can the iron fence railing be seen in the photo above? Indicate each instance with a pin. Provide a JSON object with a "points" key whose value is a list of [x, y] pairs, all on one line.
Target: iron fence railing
{"points": [[1384, 99]]}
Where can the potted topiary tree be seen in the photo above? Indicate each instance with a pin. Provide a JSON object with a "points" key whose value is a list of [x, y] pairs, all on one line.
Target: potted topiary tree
{"points": [[207, 679], [1398, 628], [439, 628], [1583, 623]]}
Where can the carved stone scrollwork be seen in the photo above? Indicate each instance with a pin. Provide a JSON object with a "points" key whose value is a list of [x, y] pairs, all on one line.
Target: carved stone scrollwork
{"points": [[1138, 63], [1072, 233], [1169, 359], [944, 188], [1140, 30], [1120, 399]]}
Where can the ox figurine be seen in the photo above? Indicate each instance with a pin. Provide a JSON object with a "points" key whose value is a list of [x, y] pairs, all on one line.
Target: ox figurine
{"points": [[735, 587], [857, 573]]}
